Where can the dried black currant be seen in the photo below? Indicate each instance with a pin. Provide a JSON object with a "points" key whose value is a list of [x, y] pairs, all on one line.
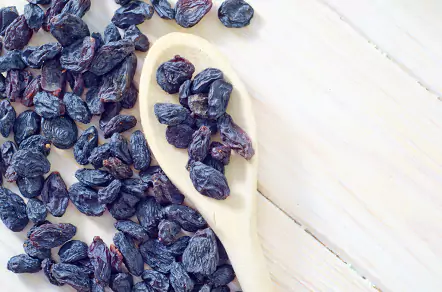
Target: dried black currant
{"points": [[30, 187], [24, 264], [62, 131], [111, 33], [68, 28], [170, 114], [93, 101], [119, 124], [55, 194], [52, 235], [235, 13], [219, 96], [189, 219], [201, 255], [36, 211], [110, 193], [235, 137], [7, 118], [34, 16], [78, 57], [132, 257], [133, 13], [180, 279], [12, 210], [173, 73], [76, 108], [17, 34], [86, 200], [110, 55], [163, 9], [86, 143], [73, 251], [48, 106], [140, 40]]}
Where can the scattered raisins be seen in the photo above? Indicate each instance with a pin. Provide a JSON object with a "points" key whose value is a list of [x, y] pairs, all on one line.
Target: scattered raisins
{"points": [[62, 131], [220, 152], [200, 144], [54, 10], [52, 235], [86, 200], [189, 219], [30, 163], [173, 73], [30, 187], [133, 13], [24, 264], [110, 55], [34, 16], [35, 252], [47, 265], [91, 80], [12, 210], [85, 144], [179, 246], [213, 163], [163, 9], [94, 177], [48, 106], [149, 212], [235, 137], [189, 12], [167, 231], [111, 33], [219, 96], [199, 105], [78, 57], [36, 211], [76, 108], [116, 259], [235, 13], [203, 80], [201, 255], [132, 229], [180, 279], [76, 82], [165, 191], [68, 28], [38, 143], [73, 251], [185, 92], [16, 83], [209, 181], [140, 40], [72, 275], [7, 118], [119, 124], [101, 260], [130, 97], [17, 34], [55, 194], [132, 256], [120, 209]]}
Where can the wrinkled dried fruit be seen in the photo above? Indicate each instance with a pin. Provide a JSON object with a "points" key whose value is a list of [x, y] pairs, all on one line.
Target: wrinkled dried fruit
{"points": [[110, 55], [101, 260], [110, 193], [200, 144], [140, 40], [52, 235], [31, 90], [76, 108], [122, 2], [16, 83], [203, 80], [94, 177], [55, 9], [30, 163], [170, 114], [201, 255], [165, 191], [173, 73], [12, 210], [78, 57], [7, 16], [91, 80], [235, 137], [117, 168], [132, 229], [146, 175], [120, 209], [156, 255], [185, 92], [213, 163], [111, 109], [222, 276], [120, 148], [141, 287], [130, 97], [189, 12], [71, 275], [11, 61], [34, 16], [133, 13], [53, 77], [24, 264], [62, 131], [158, 281], [132, 257], [73, 251], [36, 211], [17, 34], [121, 282], [134, 186], [48, 106], [7, 118], [179, 279], [86, 143], [203, 288], [55, 194], [235, 13], [179, 136], [77, 7], [26, 124], [209, 181], [149, 212], [116, 259], [93, 101], [96, 286], [179, 246], [34, 57], [189, 219], [86, 200], [8, 150], [76, 82], [119, 124], [68, 28], [167, 231], [219, 97], [86, 266], [38, 143], [30, 187], [220, 152], [199, 105], [163, 9], [111, 33], [37, 253], [99, 154], [47, 265], [139, 151]]}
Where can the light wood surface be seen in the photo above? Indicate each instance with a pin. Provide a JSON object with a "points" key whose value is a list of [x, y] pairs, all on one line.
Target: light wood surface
{"points": [[346, 101]]}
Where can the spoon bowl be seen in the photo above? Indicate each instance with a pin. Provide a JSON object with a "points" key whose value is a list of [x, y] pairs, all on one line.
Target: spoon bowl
{"points": [[233, 219]]}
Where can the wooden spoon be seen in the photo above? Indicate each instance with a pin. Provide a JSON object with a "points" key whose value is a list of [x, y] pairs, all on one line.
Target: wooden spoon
{"points": [[233, 220]]}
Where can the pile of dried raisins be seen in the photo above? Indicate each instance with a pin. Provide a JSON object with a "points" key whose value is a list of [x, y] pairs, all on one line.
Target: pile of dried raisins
{"points": [[201, 114], [182, 253]]}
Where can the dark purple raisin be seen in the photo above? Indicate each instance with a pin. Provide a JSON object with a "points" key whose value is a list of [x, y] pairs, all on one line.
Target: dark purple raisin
{"points": [[110, 55], [179, 136], [30, 163], [54, 10], [235, 137], [189, 219], [156, 255], [76, 82], [119, 124], [185, 92], [141, 287], [117, 82], [31, 91], [220, 152], [91, 80], [158, 281], [147, 175], [203, 80], [119, 147], [12, 210], [93, 101], [101, 260], [117, 168], [213, 163], [7, 118], [173, 73], [52, 235], [68, 28], [73, 251], [132, 256], [120, 209], [34, 16], [199, 105], [38, 143], [219, 97], [221, 289], [8, 150], [30, 187], [130, 97], [7, 16], [55, 194], [78, 57], [165, 191], [12, 60], [76, 108], [72, 275], [24, 264], [47, 269], [16, 83], [77, 7], [53, 77], [133, 13], [134, 186], [168, 231], [86, 266], [132, 229], [99, 154], [179, 246], [36, 210], [86, 143], [189, 12], [62, 131], [140, 40], [111, 109], [222, 276], [110, 193], [200, 144], [94, 177], [121, 282], [86, 200], [201, 255], [17, 34], [235, 13], [35, 252], [149, 212], [163, 9], [116, 259], [26, 124], [111, 33], [48, 106], [170, 114], [34, 57], [34, 227], [209, 181], [180, 279], [139, 151]]}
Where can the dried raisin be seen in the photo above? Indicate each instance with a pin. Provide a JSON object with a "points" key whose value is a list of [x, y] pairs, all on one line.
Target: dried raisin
{"points": [[26, 124], [167, 231], [17, 34], [48, 106], [235, 13], [72, 275], [93, 101], [133, 13], [12, 210], [111, 33], [199, 105], [111, 109], [68, 28], [158, 281], [132, 257], [24, 264], [140, 40], [36, 210], [139, 151], [117, 168], [94, 177], [156, 255], [78, 57], [31, 91], [185, 92], [47, 265], [62, 131], [119, 124], [121, 282], [53, 77], [132, 229], [30, 163], [99, 154], [34, 16], [201, 255], [52, 235], [179, 136], [110, 55], [7, 16], [235, 137], [73, 251], [12, 60], [35, 252], [219, 96], [34, 57], [55, 194], [86, 143], [110, 193], [189, 219], [189, 12], [7, 118], [86, 200], [171, 114], [203, 80], [77, 7], [209, 181], [180, 279], [76, 82], [163, 9], [76, 108], [173, 73], [101, 260], [149, 212], [30, 187]]}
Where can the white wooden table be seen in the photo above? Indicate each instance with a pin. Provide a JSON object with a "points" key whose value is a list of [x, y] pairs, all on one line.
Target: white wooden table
{"points": [[350, 125]]}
